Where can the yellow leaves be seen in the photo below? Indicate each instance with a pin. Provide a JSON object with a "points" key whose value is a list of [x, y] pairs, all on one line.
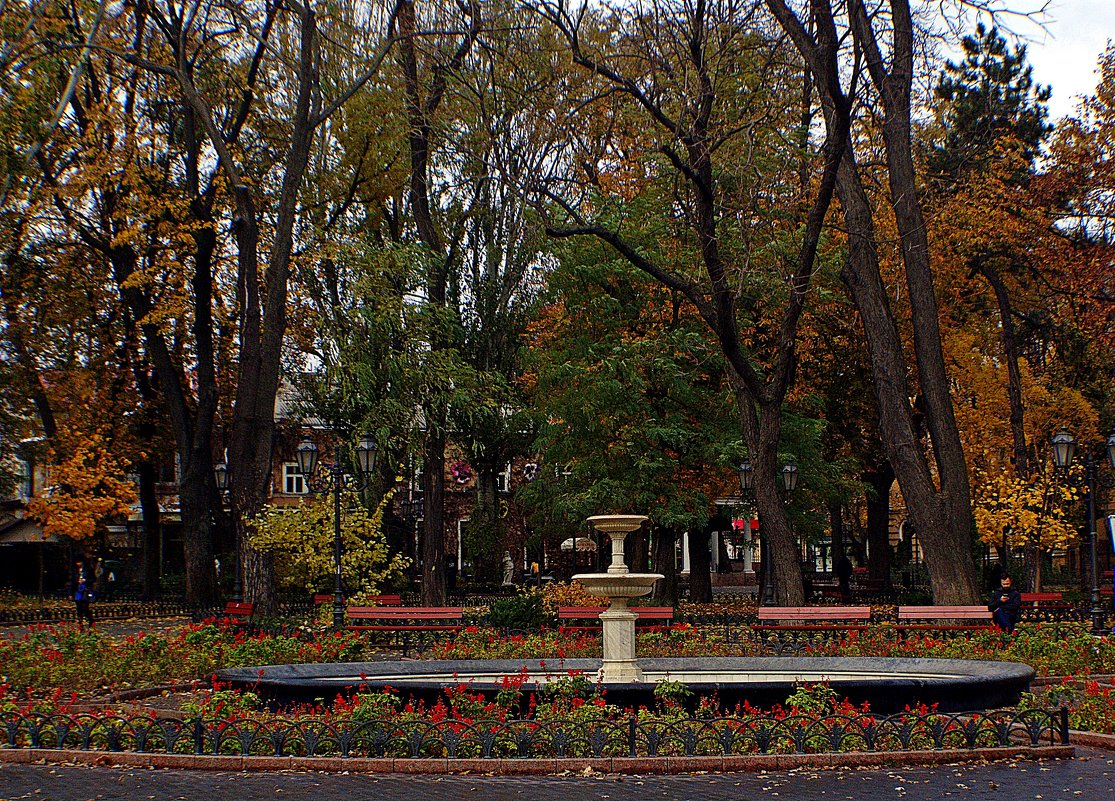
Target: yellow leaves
{"points": [[1024, 511], [303, 535]]}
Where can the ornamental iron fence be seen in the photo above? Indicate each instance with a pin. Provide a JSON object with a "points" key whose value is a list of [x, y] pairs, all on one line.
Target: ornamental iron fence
{"points": [[531, 739]]}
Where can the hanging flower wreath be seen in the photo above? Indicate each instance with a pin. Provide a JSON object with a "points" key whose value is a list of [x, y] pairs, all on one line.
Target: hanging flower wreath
{"points": [[530, 471], [462, 473]]}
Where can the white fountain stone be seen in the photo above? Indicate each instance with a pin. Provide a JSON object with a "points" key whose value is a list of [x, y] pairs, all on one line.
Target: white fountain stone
{"points": [[618, 585]]}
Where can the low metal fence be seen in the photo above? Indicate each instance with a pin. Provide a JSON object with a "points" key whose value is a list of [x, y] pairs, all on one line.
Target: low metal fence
{"points": [[533, 739]]}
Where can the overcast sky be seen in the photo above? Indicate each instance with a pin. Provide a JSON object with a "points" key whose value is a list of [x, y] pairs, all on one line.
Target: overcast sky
{"points": [[1065, 57]]}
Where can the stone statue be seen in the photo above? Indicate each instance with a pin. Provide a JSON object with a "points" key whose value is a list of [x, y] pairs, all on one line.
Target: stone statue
{"points": [[508, 570]]}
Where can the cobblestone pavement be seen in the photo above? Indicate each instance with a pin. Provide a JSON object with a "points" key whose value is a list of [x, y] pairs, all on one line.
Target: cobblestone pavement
{"points": [[1089, 777]]}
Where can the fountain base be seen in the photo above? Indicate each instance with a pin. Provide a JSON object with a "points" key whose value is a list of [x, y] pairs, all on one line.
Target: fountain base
{"points": [[887, 684]]}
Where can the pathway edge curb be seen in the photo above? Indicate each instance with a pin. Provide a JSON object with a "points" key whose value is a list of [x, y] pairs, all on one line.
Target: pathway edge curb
{"points": [[510, 767]]}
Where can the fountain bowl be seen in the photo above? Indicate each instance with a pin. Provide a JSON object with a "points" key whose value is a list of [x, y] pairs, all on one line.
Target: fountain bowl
{"points": [[887, 684], [616, 524], [618, 585]]}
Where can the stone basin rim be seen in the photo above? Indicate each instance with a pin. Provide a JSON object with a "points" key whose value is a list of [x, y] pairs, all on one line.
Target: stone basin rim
{"points": [[888, 684], [448, 672]]}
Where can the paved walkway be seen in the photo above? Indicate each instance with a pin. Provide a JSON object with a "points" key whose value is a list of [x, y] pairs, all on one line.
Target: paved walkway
{"points": [[1089, 777]]}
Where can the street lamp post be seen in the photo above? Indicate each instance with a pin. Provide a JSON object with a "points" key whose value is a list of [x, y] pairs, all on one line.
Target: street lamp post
{"points": [[221, 476], [334, 478], [1064, 448]]}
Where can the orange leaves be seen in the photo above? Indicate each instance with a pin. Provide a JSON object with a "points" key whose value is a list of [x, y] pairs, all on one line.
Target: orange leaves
{"points": [[87, 486]]}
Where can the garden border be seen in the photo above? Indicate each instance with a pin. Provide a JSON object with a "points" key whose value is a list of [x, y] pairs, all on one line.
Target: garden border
{"points": [[509, 767]]}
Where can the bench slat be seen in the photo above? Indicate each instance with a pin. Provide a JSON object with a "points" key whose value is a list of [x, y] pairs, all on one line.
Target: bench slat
{"points": [[943, 613], [405, 612], [811, 613]]}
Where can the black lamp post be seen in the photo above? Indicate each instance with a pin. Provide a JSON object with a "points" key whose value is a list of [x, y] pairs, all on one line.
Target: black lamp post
{"points": [[221, 477], [334, 478], [1064, 448]]}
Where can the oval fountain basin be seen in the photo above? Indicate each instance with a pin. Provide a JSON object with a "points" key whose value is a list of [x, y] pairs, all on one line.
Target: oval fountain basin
{"points": [[618, 585], [614, 524], [887, 684]]}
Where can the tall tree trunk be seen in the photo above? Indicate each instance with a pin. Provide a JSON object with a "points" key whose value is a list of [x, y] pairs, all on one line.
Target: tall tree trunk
{"points": [[193, 502], [836, 522], [761, 428], [635, 550], [700, 580], [422, 103], [943, 518], [947, 549], [665, 562], [1012, 357], [149, 506], [434, 584], [879, 554]]}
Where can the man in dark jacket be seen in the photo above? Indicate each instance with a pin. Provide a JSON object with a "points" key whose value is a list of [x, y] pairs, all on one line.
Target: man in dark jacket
{"points": [[83, 593], [1005, 604]]}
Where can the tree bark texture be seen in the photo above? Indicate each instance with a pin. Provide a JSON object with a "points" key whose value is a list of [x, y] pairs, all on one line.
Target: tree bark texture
{"points": [[700, 579], [434, 580], [942, 517], [880, 555], [664, 558]]}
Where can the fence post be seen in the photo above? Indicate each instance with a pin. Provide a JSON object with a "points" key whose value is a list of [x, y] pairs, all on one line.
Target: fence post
{"points": [[631, 735], [199, 736], [1064, 725]]}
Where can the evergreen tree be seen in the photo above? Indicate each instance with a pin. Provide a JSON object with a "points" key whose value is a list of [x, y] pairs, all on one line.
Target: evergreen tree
{"points": [[987, 96]]}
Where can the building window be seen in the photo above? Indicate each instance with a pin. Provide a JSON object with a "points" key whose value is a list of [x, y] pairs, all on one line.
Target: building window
{"points": [[294, 483], [25, 480]]}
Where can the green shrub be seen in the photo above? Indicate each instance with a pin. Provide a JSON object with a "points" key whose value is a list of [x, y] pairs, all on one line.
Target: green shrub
{"points": [[523, 611]]}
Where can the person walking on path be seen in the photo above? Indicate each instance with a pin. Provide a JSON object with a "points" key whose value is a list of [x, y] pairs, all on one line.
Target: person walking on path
{"points": [[1005, 605], [83, 594]]}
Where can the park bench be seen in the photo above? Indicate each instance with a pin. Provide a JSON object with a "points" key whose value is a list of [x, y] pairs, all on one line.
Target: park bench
{"points": [[807, 618], [405, 627], [584, 618], [1044, 600], [1105, 583], [944, 619], [792, 624], [238, 613], [404, 618], [1046, 607]]}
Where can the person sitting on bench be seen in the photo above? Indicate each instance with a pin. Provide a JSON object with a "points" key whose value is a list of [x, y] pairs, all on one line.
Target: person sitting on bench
{"points": [[1005, 605]]}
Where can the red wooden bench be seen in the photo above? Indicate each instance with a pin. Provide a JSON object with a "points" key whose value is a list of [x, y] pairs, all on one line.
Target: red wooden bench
{"points": [[813, 618], [944, 618], [238, 614], [405, 618], [1106, 587], [648, 616], [1044, 600]]}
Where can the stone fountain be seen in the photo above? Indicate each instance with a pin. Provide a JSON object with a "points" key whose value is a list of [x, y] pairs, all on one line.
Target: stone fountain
{"points": [[618, 585], [887, 684]]}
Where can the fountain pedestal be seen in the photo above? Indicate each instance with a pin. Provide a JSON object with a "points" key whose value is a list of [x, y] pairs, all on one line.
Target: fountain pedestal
{"points": [[618, 585]]}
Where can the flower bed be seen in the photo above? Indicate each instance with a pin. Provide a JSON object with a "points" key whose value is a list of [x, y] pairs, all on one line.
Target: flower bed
{"points": [[571, 719], [1091, 703], [45, 671], [50, 657]]}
